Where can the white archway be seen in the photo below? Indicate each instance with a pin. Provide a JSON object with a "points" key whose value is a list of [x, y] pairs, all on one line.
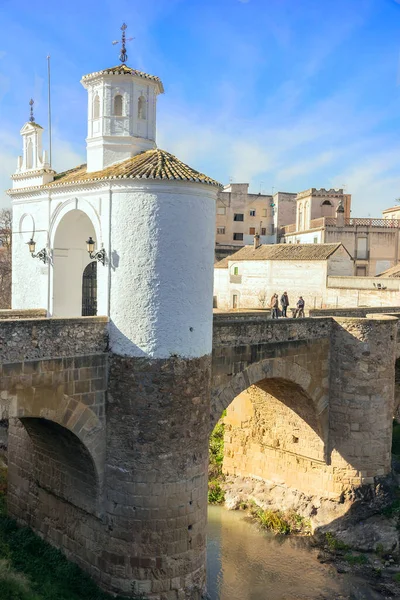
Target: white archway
{"points": [[70, 258]]}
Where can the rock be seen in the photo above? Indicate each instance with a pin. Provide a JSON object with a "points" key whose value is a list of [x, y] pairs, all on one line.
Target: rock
{"points": [[367, 535], [232, 501]]}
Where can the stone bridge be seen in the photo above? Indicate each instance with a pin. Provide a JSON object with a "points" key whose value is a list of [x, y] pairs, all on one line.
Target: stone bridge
{"points": [[302, 397]]}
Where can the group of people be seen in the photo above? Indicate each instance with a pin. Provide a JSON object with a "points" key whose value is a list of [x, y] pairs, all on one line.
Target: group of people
{"points": [[299, 312]]}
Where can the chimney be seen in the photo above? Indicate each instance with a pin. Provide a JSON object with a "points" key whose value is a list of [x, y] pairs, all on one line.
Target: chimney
{"points": [[340, 214], [256, 241]]}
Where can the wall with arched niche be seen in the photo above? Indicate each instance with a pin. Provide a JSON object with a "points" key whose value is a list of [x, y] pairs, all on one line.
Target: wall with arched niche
{"points": [[70, 258]]}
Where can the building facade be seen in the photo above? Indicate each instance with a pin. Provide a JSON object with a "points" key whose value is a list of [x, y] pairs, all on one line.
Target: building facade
{"points": [[323, 217], [241, 215], [248, 278]]}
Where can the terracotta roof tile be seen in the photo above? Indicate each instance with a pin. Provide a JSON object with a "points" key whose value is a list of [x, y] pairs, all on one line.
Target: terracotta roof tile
{"points": [[393, 272], [125, 70], [152, 164], [281, 252]]}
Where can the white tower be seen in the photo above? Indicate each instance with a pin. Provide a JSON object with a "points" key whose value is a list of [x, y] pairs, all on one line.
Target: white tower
{"points": [[33, 167], [121, 115]]}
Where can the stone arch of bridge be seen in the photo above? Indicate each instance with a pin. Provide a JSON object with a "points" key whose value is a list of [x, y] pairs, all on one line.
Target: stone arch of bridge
{"points": [[65, 433], [277, 425], [278, 375]]}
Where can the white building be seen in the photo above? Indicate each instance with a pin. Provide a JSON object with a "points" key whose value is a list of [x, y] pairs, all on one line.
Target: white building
{"points": [[248, 278], [146, 211]]}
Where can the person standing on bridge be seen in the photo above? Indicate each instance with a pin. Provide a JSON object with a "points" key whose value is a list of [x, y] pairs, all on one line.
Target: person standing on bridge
{"points": [[300, 307], [275, 306], [284, 303]]}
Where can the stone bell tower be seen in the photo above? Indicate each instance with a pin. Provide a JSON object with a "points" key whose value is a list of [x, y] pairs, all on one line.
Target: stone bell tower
{"points": [[33, 167]]}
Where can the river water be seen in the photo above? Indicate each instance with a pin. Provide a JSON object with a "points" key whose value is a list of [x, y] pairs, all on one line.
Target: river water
{"points": [[245, 563]]}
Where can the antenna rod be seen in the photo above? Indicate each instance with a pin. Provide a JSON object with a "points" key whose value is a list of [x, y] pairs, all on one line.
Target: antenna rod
{"points": [[49, 104]]}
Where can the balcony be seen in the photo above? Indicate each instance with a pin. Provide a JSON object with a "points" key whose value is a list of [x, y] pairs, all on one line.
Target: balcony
{"points": [[332, 222]]}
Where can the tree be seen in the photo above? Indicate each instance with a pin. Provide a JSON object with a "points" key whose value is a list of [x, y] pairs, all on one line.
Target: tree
{"points": [[5, 258]]}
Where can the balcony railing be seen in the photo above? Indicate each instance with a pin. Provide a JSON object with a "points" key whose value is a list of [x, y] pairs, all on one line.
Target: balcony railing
{"points": [[332, 222], [372, 223]]}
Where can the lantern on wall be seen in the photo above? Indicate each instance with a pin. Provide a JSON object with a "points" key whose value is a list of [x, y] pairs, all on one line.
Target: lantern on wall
{"points": [[41, 255], [100, 255]]}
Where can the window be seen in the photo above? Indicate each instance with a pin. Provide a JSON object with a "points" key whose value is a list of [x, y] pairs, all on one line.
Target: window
{"points": [[118, 105], [264, 212], [362, 248], [221, 210], [361, 271], [252, 231], [300, 217], [252, 213], [238, 237], [263, 231], [96, 107], [272, 228], [29, 154], [235, 301], [326, 203], [220, 230], [238, 217], [236, 270], [315, 241], [142, 108], [215, 301]]}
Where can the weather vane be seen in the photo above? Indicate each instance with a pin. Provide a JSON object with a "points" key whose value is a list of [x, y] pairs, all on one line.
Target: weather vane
{"points": [[31, 118], [123, 57]]}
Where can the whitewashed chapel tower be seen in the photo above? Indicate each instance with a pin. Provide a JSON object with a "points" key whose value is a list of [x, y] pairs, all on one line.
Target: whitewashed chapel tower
{"points": [[152, 219]]}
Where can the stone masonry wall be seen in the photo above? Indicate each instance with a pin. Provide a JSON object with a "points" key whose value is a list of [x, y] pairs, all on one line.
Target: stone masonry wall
{"points": [[278, 441], [361, 403]]}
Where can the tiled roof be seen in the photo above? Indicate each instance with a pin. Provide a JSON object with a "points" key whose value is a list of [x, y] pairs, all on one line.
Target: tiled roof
{"points": [[152, 164], [281, 252], [393, 272], [125, 70]]}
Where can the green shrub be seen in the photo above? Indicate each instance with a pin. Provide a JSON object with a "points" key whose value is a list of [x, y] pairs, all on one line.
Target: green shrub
{"points": [[216, 494], [396, 438], [356, 559], [397, 578], [334, 544]]}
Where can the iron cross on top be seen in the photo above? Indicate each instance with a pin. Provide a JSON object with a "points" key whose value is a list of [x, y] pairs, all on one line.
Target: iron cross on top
{"points": [[123, 57]]}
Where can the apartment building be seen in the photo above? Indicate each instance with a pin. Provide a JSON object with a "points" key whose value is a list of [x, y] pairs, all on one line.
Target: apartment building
{"points": [[241, 215], [323, 217]]}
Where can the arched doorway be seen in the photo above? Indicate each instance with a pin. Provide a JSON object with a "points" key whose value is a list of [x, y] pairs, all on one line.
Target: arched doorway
{"points": [[70, 259], [89, 290]]}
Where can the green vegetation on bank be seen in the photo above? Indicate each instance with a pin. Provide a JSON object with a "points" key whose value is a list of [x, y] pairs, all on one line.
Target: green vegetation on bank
{"points": [[396, 439], [31, 569], [277, 521], [216, 494]]}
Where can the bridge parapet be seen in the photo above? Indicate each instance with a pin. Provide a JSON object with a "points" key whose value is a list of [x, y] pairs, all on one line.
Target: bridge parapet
{"points": [[250, 329], [32, 339]]}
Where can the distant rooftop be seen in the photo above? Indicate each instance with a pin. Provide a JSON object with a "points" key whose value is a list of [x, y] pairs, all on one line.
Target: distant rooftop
{"points": [[282, 252]]}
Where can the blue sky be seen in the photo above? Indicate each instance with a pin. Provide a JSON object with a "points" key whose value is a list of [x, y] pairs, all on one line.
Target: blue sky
{"points": [[284, 94]]}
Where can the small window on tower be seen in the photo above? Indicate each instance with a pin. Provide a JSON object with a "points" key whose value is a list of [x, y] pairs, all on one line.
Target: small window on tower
{"points": [[96, 107], [252, 213], [142, 108], [118, 105]]}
